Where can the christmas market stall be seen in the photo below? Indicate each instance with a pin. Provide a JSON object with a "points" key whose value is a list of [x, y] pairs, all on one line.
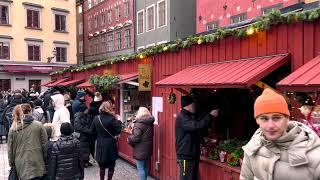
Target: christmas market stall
{"points": [[226, 69]]}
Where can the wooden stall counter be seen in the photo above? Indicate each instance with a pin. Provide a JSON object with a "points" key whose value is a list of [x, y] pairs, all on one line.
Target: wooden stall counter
{"points": [[125, 150], [214, 169]]}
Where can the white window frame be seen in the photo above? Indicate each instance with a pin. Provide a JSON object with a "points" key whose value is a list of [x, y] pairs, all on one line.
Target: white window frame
{"points": [[8, 4], [33, 43], [150, 45], [62, 46], [80, 28], [124, 39], [143, 23], [96, 21], [117, 13], [116, 40], [80, 47], [62, 14], [9, 41], [102, 19], [34, 9], [110, 48], [125, 12], [154, 18], [109, 16], [166, 12]]}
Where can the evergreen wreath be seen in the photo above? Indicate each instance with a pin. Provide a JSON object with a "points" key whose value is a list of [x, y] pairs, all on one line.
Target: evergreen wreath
{"points": [[213, 154], [233, 159], [172, 98]]}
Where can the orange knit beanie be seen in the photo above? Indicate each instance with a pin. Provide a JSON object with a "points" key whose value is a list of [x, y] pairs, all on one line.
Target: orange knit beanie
{"points": [[270, 102]]}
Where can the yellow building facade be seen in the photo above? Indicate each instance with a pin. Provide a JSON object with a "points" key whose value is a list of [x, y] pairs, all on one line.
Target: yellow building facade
{"points": [[36, 37]]}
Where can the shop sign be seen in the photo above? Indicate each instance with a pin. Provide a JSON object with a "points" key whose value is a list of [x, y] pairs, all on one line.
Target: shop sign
{"points": [[144, 77], [157, 106]]}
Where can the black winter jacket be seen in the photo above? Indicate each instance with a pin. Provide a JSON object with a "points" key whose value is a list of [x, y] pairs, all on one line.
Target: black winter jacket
{"points": [[187, 132], [142, 138], [106, 151], [81, 126], [66, 162]]}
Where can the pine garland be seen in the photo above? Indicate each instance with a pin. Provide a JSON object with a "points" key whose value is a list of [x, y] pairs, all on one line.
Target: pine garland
{"points": [[262, 24], [104, 82]]}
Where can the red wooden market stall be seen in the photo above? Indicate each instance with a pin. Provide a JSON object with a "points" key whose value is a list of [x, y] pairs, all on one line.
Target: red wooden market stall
{"points": [[238, 63]]}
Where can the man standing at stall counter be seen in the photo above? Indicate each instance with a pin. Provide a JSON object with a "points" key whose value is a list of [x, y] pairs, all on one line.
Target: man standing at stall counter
{"points": [[280, 149], [188, 138]]}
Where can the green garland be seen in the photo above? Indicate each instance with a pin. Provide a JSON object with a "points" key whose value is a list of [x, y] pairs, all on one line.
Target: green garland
{"points": [[213, 154], [233, 159], [262, 24], [104, 82]]}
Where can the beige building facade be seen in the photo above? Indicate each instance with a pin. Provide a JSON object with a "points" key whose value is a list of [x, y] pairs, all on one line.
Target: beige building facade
{"points": [[36, 37]]}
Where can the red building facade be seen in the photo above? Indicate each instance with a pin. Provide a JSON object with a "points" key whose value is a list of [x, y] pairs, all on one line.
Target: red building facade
{"points": [[219, 13], [108, 28]]}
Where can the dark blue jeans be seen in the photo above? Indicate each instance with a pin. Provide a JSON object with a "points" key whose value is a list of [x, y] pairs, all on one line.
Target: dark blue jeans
{"points": [[142, 166]]}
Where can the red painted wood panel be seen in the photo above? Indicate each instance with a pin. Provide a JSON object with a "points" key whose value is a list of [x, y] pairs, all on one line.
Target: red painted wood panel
{"points": [[215, 52], [272, 41], [317, 37], [282, 41], [209, 53], [222, 50], [308, 41], [244, 47], [253, 48], [229, 48], [236, 51]]}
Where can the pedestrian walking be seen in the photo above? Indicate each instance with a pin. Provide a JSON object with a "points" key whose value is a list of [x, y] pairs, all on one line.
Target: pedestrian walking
{"points": [[61, 114], [105, 127], [38, 113], [142, 141], [80, 100], [66, 160], [280, 149], [82, 129], [50, 133], [3, 131], [27, 144], [187, 132]]}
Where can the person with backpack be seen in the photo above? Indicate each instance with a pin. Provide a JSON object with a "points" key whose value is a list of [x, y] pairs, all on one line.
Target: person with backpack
{"points": [[66, 160], [38, 112], [105, 127]]}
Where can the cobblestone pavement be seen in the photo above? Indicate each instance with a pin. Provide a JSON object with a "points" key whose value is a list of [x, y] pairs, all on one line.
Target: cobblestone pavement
{"points": [[123, 170]]}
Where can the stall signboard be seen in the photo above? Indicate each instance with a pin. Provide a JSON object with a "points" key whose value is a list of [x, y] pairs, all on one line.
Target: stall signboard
{"points": [[144, 77], [157, 106]]}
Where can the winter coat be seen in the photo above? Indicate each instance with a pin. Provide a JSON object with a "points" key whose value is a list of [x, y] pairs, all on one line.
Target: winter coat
{"points": [[49, 155], [293, 156], [38, 114], [66, 162], [81, 126], [3, 131], [142, 138], [94, 110], [27, 148], [76, 105], [61, 114], [106, 150], [187, 130], [6, 118]]}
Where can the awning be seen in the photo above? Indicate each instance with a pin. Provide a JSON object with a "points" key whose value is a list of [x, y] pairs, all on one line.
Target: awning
{"points": [[306, 78], [71, 82], [47, 82], [30, 69], [85, 85], [127, 77], [229, 74], [57, 82]]}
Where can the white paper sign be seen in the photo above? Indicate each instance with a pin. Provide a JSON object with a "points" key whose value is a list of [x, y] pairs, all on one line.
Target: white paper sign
{"points": [[157, 106]]}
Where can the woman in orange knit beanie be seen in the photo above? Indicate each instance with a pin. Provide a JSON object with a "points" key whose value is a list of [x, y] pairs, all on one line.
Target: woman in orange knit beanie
{"points": [[280, 149]]}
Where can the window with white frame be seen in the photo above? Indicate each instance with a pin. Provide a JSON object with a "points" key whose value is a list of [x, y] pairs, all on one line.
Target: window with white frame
{"points": [[4, 50], [150, 17], [110, 42], [34, 52], [162, 13], [60, 22], [127, 38], [117, 13], [80, 46], [212, 25], [118, 40], [103, 19], [89, 24], [90, 49], [238, 18], [89, 4], [33, 18], [4, 14], [127, 9], [96, 21], [80, 28], [96, 45], [61, 54], [103, 43], [109, 14], [140, 21], [271, 8]]}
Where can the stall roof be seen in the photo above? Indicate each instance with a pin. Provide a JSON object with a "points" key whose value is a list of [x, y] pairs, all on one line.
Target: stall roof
{"points": [[228, 74], [127, 77], [71, 82], [85, 85], [57, 82], [306, 78], [48, 82]]}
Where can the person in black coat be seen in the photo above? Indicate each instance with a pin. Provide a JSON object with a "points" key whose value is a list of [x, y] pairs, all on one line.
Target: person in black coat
{"points": [[187, 132], [105, 127], [82, 128], [142, 141], [79, 101], [3, 131], [66, 160]]}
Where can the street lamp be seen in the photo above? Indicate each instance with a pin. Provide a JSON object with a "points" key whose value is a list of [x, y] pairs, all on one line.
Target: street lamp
{"points": [[54, 53]]}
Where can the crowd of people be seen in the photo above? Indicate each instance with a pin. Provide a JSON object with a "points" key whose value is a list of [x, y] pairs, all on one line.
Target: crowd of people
{"points": [[52, 135]]}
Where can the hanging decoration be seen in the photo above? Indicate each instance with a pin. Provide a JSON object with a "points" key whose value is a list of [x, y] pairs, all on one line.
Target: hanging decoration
{"points": [[172, 98], [262, 24], [105, 82]]}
